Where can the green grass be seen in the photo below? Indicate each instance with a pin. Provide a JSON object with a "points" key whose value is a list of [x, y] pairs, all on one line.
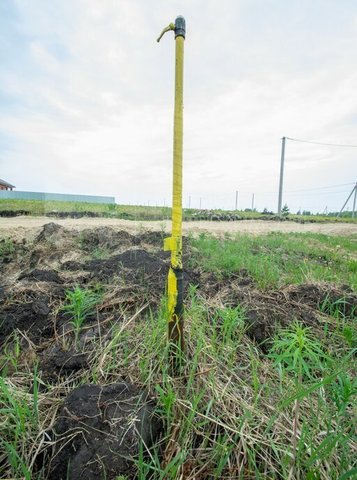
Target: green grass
{"points": [[18, 425], [233, 413], [7, 247], [141, 212], [278, 259], [130, 212]]}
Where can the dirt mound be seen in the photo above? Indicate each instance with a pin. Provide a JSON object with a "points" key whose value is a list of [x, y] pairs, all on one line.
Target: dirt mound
{"points": [[136, 262], [266, 312], [38, 275], [106, 237], [325, 297], [50, 231], [99, 431], [30, 315], [153, 238]]}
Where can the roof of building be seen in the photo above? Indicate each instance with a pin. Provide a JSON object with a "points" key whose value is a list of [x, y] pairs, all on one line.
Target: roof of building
{"points": [[7, 184]]}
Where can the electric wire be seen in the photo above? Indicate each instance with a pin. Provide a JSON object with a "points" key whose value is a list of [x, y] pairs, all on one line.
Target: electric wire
{"points": [[321, 143], [300, 190], [321, 188]]}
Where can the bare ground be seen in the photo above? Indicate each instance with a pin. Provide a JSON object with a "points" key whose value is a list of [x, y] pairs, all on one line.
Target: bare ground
{"points": [[29, 227]]}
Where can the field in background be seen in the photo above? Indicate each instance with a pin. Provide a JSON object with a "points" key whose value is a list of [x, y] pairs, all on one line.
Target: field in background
{"points": [[137, 212]]}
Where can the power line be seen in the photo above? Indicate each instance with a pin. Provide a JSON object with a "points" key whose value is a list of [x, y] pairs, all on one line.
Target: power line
{"points": [[321, 188], [321, 143], [306, 189], [321, 193]]}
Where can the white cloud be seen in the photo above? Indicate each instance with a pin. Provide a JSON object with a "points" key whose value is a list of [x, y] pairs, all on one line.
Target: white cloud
{"points": [[94, 100]]}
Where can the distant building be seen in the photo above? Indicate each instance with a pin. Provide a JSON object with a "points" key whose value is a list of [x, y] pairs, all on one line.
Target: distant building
{"points": [[5, 185]]}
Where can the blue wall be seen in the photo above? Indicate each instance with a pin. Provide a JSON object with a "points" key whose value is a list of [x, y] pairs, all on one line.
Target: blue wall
{"points": [[62, 197]]}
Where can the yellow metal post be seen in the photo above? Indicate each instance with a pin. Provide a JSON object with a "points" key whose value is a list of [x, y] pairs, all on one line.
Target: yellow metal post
{"points": [[174, 243]]}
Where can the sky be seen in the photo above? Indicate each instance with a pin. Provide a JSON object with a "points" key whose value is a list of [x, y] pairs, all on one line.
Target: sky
{"points": [[87, 95]]}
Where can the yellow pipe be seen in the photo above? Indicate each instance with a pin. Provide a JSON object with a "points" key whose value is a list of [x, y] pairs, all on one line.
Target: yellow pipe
{"points": [[174, 243], [176, 253]]}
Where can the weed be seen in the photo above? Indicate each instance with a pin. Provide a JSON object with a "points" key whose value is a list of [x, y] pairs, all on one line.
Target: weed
{"points": [[100, 253], [7, 247], [80, 304], [296, 352], [10, 355], [19, 417], [337, 308], [344, 390]]}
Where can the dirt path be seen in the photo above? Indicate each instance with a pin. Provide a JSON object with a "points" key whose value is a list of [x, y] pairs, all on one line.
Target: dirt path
{"points": [[28, 226]]}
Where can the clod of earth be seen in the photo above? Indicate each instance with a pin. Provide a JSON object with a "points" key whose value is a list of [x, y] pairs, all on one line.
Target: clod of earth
{"points": [[39, 275], [100, 430], [55, 362], [31, 316]]}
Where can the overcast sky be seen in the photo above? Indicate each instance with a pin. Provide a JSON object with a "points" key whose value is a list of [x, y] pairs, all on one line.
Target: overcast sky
{"points": [[86, 99]]}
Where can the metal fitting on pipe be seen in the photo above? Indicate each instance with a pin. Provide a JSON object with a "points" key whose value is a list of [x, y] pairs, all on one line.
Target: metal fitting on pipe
{"points": [[180, 27]]}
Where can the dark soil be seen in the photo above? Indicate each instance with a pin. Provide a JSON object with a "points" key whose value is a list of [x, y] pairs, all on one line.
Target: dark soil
{"points": [[137, 261], [107, 237], [109, 423], [323, 296], [38, 275], [14, 213], [74, 214], [30, 316], [56, 362], [32, 292]]}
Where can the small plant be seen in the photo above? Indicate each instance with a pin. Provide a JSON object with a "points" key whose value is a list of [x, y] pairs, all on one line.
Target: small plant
{"points": [[79, 305], [10, 356], [19, 416], [297, 352], [163, 227], [344, 391], [336, 308], [285, 211], [6, 247], [100, 253]]}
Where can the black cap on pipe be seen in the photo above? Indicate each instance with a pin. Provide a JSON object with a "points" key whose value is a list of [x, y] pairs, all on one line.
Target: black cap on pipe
{"points": [[180, 27]]}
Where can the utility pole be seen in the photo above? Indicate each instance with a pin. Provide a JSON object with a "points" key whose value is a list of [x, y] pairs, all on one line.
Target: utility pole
{"points": [[200, 202], [354, 202], [252, 201], [236, 200], [281, 174], [189, 201]]}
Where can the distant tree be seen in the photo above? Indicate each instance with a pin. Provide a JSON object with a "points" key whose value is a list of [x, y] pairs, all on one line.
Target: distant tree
{"points": [[285, 211], [266, 212], [306, 212], [298, 212]]}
